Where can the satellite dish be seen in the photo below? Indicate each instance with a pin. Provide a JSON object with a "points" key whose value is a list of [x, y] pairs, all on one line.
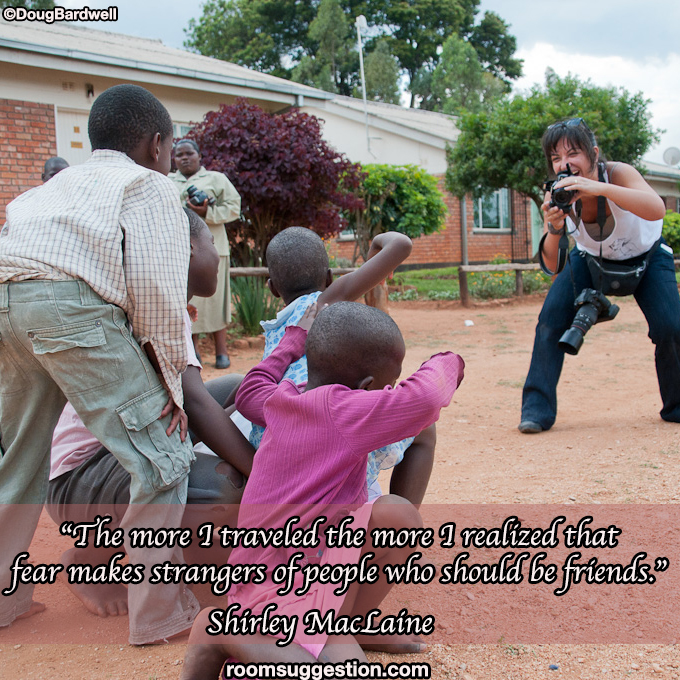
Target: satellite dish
{"points": [[671, 156]]}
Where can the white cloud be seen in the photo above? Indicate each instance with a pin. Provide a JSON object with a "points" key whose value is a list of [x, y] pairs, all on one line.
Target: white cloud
{"points": [[656, 78]]}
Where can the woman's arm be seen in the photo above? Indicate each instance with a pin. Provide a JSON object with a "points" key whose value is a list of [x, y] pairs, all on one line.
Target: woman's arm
{"points": [[227, 206], [554, 222], [627, 189]]}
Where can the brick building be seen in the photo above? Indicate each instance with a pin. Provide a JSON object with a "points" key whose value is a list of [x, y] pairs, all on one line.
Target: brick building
{"points": [[50, 74], [29, 138]]}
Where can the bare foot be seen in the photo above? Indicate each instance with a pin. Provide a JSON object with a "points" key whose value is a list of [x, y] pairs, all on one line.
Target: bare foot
{"points": [[102, 599], [392, 644], [35, 608]]}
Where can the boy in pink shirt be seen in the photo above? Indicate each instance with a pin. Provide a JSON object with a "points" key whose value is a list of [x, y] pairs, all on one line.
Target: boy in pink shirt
{"points": [[312, 462]]}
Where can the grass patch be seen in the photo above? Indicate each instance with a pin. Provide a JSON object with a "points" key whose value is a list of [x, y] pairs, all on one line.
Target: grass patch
{"points": [[442, 284], [517, 384]]}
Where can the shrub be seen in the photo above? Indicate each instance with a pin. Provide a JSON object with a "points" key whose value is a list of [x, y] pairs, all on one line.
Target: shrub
{"points": [[443, 295], [671, 230], [253, 303], [409, 294], [284, 170]]}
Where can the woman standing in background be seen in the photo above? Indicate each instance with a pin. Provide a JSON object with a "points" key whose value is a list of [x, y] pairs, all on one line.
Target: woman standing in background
{"points": [[222, 205]]}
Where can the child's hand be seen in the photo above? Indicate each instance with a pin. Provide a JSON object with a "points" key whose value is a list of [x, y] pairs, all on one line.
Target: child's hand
{"points": [[308, 317], [193, 312]]}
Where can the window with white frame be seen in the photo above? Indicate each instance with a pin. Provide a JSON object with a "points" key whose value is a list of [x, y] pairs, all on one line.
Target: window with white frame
{"points": [[181, 130], [492, 210]]}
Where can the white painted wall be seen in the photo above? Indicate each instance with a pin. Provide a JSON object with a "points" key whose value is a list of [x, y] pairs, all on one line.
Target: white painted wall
{"points": [[349, 137]]}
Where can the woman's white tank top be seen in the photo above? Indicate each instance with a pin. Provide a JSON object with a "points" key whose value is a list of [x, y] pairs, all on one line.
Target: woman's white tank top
{"points": [[631, 236]]}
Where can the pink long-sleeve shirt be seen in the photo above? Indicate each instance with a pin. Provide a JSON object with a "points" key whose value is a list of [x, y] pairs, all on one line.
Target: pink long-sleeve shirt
{"points": [[315, 448]]}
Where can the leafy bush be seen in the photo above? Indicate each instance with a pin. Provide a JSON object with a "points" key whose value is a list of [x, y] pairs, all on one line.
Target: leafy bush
{"points": [[409, 294], [444, 295], [284, 170], [490, 285], [253, 303], [671, 230], [402, 198]]}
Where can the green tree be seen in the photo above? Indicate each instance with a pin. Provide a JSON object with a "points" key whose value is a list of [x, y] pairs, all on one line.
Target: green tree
{"points": [[382, 75], [265, 35], [396, 198], [275, 36], [460, 83], [495, 48], [502, 148], [334, 64], [28, 4]]}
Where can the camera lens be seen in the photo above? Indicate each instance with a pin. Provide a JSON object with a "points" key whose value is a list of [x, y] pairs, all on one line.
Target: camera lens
{"points": [[572, 339]]}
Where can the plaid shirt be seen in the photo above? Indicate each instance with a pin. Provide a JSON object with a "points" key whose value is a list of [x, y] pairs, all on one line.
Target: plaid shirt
{"points": [[120, 228]]}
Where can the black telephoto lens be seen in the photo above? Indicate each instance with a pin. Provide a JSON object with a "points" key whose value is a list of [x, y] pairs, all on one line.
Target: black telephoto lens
{"points": [[572, 339]]}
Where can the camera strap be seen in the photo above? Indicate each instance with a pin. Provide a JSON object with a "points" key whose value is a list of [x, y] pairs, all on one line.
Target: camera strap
{"points": [[601, 218]]}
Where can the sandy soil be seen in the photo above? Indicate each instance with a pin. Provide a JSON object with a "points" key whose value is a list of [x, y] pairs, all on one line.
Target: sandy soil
{"points": [[608, 446]]}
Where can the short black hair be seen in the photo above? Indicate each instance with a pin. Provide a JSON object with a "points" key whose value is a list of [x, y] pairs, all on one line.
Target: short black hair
{"points": [[190, 142], [122, 116], [298, 262], [196, 224], [576, 136], [55, 161], [349, 341]]}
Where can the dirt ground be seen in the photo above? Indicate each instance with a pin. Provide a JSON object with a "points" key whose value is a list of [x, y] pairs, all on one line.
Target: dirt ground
{"points": [[608, 446]]}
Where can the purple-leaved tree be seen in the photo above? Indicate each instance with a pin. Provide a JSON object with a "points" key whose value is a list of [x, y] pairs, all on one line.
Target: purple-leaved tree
{"points": [[286, 173]]}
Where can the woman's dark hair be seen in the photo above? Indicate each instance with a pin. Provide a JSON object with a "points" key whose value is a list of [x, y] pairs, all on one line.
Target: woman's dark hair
{"points": [[576, 134], [190, 142]]}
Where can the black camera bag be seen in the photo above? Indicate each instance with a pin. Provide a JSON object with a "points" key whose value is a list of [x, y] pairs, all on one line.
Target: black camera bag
{"points": [[613, 277]]}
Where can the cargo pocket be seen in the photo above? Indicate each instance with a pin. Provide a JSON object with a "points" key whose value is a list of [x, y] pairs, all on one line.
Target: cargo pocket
{"points": [[82, 346], [168, 458]]}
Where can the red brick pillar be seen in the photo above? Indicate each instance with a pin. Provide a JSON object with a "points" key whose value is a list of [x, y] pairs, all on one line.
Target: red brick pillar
{"points": [[29, 138]]}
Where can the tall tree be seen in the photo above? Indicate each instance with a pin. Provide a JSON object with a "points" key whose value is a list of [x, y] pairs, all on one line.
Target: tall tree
{"points": [[283, 169], [334, 64], [496, 47], [460, 83], [275, 36], [265, 35], [419, 27], [502, 148], [28, 4], [382, 75]]}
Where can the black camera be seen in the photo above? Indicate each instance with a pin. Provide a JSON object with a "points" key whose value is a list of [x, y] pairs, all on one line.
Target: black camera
{"points": [[591, 307], [198, 197], [560, 197]]}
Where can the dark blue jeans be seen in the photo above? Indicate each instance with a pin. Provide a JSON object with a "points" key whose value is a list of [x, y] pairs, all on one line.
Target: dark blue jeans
{"points": [[657, 296]]}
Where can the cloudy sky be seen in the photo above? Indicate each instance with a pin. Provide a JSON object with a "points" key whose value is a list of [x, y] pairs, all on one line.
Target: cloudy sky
{"points": [[624, 43]]}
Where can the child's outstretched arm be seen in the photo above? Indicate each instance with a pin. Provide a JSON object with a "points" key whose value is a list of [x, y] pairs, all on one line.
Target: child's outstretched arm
{"points": [[371, 419], [212, 425], [262, 381], [387, 252]]}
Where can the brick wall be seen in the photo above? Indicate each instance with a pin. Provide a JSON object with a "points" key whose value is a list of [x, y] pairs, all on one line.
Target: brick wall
{"points": [[445, 248], [29, 138]]}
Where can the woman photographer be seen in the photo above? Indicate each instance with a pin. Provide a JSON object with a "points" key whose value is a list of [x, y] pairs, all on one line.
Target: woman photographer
{"points": [[619, 232], [222, 205]]}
